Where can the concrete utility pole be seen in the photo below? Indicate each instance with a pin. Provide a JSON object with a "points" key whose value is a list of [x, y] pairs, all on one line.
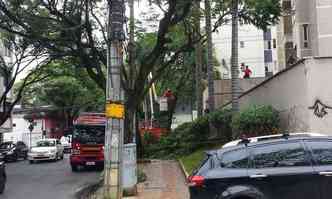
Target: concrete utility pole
{"points": [[114, 101]]}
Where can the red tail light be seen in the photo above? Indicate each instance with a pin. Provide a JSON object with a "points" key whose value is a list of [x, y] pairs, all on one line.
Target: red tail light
{"points": [[76, 148], [196, 181]]}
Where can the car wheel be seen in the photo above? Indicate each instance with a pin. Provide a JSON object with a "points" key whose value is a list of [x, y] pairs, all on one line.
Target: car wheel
{"points": [[31, 161], [62, 156], [3, 185], [15, 157], [74, 168]]}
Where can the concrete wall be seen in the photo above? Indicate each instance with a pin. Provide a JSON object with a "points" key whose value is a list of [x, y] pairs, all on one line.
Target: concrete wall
{"points": [[223, 89], [319, 71], [293, 91]]}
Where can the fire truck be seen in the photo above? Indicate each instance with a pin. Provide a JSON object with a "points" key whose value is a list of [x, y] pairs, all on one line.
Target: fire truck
{"points": [[88, 141]]}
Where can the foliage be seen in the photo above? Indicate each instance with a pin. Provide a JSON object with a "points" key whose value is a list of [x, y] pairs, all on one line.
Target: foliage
{"points": [[256, 121], [67, 89], [190, 137], [221, 120]]}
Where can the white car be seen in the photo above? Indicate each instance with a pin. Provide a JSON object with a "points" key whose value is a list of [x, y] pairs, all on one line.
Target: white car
{"points": [[46, 149], [270, 137]]}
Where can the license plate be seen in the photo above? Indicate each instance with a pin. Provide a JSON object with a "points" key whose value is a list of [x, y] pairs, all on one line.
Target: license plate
{"points": [[90, 163]]}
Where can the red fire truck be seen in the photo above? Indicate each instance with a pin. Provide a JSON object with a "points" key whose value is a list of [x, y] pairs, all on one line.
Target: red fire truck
{"points": [[88, 141]]}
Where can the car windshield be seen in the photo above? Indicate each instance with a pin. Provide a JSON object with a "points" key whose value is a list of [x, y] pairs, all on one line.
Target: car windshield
{"points": [[85, 134], [45, 143], [5, 146]]}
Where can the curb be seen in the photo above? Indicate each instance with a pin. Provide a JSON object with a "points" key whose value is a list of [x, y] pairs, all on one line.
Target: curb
{"points": [[186, 175], [86, 190]]}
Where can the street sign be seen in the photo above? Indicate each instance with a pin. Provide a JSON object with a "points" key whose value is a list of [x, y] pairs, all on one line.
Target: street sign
{"points": [[114, 110]]}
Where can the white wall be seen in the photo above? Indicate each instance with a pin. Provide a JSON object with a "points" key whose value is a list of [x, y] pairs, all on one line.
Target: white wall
{"points": [[293, 91], [252, 54], [319, 72], [21, 131]]}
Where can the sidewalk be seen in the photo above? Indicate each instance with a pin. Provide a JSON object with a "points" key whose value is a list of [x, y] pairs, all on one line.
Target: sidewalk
{"points": [[165, 180]]}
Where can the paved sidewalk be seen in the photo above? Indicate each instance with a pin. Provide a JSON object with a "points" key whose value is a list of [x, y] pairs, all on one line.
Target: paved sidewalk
{"points": [[165, 180]]}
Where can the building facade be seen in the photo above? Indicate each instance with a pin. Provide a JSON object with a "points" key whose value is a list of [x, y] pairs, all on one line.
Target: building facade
{"points": [[305, 30], [257, 49]]}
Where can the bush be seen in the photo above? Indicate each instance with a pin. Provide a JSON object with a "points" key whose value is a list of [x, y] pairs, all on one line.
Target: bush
{"points": [[222, 120], [256, 121]]}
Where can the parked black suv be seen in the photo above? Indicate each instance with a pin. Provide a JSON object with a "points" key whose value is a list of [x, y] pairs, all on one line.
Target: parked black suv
{"points": [[12, 151], [2, 175], [283, 168]]}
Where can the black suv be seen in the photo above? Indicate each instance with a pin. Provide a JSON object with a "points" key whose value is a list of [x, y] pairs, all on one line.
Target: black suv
{"points": [[283, 168], [2, 175], [12, 151]]}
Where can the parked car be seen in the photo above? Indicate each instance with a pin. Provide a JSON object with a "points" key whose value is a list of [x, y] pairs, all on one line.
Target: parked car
{"points": [[46, 149], [3, 176], [12, 151], [287, 167]]}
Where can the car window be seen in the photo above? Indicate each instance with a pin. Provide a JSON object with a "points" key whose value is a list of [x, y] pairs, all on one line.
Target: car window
{"points": [[321, 151], [45, 143], [237, 159], [280, 155]]}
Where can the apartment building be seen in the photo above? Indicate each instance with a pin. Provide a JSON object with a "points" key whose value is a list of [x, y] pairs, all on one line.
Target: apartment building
{"points": [[257, 49], [305, 30]]}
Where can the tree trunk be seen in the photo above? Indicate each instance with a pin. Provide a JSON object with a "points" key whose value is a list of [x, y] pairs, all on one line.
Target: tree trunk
{"points": [[235, 57], [210, 66], [198, 61]]}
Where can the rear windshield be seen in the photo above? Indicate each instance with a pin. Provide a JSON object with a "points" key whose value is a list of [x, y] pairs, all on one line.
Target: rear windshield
{"points": [[45, 143], [89, 134]]}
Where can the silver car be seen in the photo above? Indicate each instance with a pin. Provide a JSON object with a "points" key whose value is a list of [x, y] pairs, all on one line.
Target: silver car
{"points": [[46, 149]]}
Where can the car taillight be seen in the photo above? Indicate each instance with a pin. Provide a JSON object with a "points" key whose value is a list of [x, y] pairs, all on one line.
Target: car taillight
{"points": [[196, 181], [76, 149]]}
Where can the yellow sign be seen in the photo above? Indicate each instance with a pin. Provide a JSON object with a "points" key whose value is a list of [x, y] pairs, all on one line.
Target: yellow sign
{"points": [[115, 110]]}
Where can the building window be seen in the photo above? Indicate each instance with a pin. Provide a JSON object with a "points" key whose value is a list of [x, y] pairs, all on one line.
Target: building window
{"points": [[274, 43], [306, 35], [241, 44]]}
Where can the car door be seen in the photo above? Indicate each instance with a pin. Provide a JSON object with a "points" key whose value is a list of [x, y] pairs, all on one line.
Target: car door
{"points": [[321, 150], [282, 170]]}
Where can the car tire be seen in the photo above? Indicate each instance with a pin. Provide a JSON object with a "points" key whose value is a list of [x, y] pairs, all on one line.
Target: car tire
{"points": [[74, 168], [3, 185], [31, 161]]}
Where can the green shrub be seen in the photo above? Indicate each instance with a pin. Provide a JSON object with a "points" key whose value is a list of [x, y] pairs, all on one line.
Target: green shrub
{"points": [[256, 121], [222, 120]]}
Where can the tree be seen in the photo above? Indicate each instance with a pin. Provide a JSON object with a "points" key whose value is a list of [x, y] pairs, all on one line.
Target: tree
{"points": [[75, 29], [235, 56], [208, 30], [68, 89], [23, 61]]}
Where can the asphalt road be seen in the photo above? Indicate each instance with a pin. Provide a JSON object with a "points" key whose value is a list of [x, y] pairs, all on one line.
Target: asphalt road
{"points": [[46, 180]]}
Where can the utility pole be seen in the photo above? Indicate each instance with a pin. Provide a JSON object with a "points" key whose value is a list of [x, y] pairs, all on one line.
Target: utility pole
{"points": [[235, 56], [210, 72], [198, 60], [114, 101]]}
